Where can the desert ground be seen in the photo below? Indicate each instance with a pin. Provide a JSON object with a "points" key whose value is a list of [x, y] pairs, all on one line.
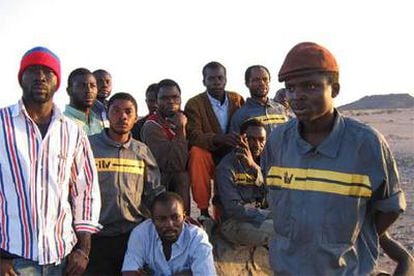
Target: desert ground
{"points": [[397, 126]]}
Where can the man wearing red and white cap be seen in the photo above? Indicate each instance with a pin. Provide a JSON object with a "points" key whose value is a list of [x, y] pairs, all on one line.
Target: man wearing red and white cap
{"points": [[333, 183], [49, 194]]}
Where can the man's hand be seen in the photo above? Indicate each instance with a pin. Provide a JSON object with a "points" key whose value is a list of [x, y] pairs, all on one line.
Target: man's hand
{"points": [[178, 122], [77, 262], [244, 155], [78, 259], [7, 267], [230, 139]]}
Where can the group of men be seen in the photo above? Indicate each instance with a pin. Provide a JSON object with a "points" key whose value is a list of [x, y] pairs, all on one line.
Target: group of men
{"points": [[319, 189]]}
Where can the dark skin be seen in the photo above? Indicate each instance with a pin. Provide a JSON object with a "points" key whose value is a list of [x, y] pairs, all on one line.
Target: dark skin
{"points": [[168, 218], [252, 145], [122, 116], [77, 261], [214, 80], [104, 83], [258, 84], [169, 101], [39, 84], [82, 92], [311, 99], [399, 254], [151, 101]]}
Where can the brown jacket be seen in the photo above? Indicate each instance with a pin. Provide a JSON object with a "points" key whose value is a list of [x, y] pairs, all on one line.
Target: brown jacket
{"points": [[202, 123]]}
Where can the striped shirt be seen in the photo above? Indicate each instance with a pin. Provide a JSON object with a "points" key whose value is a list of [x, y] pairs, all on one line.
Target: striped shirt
{"points": [[48, 186]]}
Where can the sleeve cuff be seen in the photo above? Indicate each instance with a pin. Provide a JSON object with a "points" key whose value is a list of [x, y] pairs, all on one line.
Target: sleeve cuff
{"points": [[395, 203], [88, 227]]}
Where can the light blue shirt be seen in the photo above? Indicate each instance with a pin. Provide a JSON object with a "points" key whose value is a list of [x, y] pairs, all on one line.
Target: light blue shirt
{"points": [[192, 251], [221, 110], [91, 124]]}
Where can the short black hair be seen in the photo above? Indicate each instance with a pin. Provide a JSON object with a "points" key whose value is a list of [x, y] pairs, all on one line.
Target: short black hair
{"points": [[101, 71], [153, 87], [78, 72], [167, 83], [165, 197], [250, 122], [123, 96], [213, 65], [250, 69]]}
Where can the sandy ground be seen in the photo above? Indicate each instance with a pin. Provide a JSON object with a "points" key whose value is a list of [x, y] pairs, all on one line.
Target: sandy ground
{"points": [[397, 126]]}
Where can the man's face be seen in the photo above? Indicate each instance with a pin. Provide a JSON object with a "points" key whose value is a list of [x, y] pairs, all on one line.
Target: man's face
{"points": [[168, 219], [215, 81], [311, 96], [258, 83], [256, 137], [281, 97], [122, 116], [39, 84], [151, 100], [83, 91], [169, 100], [104, 81]]}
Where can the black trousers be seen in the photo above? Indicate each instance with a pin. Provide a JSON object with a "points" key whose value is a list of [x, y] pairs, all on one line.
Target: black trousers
{"points": [[107, 255]]}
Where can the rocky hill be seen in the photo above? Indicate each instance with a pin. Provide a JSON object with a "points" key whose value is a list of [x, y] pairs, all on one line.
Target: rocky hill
{"points": [[389, 101]]}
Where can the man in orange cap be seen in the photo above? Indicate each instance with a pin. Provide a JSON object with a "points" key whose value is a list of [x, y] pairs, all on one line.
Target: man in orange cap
{"points": [[334, 188]]}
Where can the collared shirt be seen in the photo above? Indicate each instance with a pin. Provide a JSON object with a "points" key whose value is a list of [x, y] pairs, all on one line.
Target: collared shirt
{"points": [[324, 198], [48, 186], [271, 114], [241, 192], [192, 251], [91, 124], [129, 179], [221, 110]]}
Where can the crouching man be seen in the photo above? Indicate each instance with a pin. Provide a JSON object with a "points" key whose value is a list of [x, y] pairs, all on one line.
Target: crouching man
{"points": [[241, 190], [166, 244]]}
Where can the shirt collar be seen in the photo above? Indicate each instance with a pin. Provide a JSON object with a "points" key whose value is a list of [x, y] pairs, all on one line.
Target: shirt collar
{"points": [[216, 102], [269, 102], [330, 146], [20, 108], [78, 114], [113, 143], [180, 243]]}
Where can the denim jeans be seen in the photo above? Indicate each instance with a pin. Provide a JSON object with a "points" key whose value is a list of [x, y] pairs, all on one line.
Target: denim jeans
{"points": [[31, 268]]}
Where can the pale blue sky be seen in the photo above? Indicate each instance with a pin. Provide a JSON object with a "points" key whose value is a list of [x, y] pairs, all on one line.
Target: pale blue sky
{"points": [[141, 42]]}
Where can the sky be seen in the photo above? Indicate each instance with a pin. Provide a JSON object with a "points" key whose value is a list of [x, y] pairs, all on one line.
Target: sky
{"points": [[141, 42]]}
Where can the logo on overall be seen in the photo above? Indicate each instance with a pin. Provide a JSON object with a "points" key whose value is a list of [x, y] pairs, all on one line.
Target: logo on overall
{"points": [[103, 164], [287, 179]]}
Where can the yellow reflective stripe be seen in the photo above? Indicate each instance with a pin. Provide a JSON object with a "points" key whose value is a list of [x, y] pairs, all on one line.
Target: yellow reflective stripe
{"points": [[320, 181], [244, 179], [271, 119], [120, 165]]}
